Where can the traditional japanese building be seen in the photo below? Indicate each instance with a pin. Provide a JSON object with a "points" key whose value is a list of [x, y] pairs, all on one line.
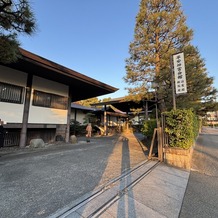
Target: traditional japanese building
{"points": [[36, 96]]}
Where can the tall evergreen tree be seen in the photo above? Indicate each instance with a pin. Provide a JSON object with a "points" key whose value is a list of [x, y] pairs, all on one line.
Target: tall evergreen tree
{"points": [[160, 31], [201, 95], [16, 18]]}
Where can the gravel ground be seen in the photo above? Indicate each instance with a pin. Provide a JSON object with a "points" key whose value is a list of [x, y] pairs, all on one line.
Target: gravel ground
{"points": [[36, 182]]}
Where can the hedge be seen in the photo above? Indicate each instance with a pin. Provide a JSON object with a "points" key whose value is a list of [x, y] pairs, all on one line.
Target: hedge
{"points": [[148, 127], [182, 127]]}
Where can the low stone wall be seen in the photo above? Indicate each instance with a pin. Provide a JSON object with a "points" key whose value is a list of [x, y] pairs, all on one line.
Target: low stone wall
{"points": [[178, 157], [60, 132]]}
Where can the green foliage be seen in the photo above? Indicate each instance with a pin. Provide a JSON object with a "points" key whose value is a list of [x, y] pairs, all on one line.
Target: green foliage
{"points": [[76, 128], [196, 125], [159, 32], [106, 99], [201, 94], [204, 121], [148, 127], [88, 102], [9, 51], [182, 127], [16, 18], [90, 118]]}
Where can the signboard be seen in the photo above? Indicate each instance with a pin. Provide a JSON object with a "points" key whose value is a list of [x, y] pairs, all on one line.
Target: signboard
{"points": [[179, 73]]}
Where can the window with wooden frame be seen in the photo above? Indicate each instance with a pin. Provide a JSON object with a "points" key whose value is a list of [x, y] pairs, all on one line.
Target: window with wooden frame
{"points": [[11, 93], [44, 99]]}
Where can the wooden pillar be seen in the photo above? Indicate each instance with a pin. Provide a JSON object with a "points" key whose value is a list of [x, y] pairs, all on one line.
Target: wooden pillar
{"points": [[75, 115], [23, 133], [127, 124], [105, 120], [67, 135], [160, 144]]}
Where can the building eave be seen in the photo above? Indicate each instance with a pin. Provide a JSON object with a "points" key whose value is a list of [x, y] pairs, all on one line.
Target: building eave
{"points": [[81, 86]]}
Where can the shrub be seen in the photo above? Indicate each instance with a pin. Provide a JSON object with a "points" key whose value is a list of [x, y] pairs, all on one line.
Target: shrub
{"points": [[148, 127], [76, 128], [182, 126], [197, 124]]}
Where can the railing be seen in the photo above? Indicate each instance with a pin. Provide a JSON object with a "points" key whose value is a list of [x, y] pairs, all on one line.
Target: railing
{"points": [[11, 139]]}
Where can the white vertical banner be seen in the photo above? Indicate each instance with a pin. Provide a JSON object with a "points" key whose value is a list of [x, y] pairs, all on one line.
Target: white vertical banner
{"points": [[179, 73]]}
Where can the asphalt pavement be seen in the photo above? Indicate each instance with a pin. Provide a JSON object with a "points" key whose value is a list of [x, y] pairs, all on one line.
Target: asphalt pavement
{"points": [[201, 197]]}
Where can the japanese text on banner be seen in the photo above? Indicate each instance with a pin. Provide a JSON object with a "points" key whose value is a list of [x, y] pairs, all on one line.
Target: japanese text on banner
{"points": [[179, 73]]}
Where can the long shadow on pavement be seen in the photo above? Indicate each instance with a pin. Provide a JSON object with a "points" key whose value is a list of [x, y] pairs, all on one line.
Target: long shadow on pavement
{"points": [[38, 183]]}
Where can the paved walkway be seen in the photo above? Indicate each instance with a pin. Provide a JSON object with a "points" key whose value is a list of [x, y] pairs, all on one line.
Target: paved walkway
{"points": [[166, 191], [159, 193]]}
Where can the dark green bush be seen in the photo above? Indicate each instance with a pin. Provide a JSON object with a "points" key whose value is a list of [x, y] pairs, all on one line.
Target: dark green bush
{"points": [[182, 126], [148, 127], [76, 128], [196, 125]]}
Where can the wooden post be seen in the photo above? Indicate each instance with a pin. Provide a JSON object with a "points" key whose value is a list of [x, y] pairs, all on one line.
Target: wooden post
{"points": [[152, 144], [127, 124], [67, 136], [105, 120], [23, 133], [156, 109], [160, 144]]}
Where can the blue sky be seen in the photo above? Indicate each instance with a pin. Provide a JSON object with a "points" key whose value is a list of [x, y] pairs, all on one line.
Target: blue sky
{"points": [[93, 36]]}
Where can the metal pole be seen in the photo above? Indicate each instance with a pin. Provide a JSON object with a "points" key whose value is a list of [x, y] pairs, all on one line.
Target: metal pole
{"points": [[172, 82]]}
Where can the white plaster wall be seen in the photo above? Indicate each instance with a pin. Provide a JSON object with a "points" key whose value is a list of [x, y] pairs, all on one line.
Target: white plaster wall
{"points": [[10, 112], [11, 76], [43, 115], [79, 116], [49, 86]]}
